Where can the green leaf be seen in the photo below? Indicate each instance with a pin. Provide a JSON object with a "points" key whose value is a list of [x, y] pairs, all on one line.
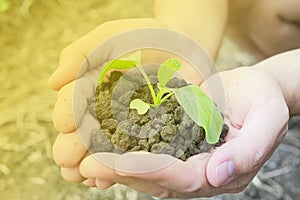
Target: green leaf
{"points": [[121, 64], [139, 105], [166, 71], [202, 111]]}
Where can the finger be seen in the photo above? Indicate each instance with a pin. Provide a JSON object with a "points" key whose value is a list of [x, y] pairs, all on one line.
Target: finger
{"points": [[103, 184], [91, 182], [71, 102], [73, 61], [169, 174], [63, 112], [100, 165], [257, 139], [68, 150], [72, 174]]}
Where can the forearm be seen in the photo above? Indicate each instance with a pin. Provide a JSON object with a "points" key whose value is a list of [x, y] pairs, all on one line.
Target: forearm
{"points": [[202, 20], [286, 69]]}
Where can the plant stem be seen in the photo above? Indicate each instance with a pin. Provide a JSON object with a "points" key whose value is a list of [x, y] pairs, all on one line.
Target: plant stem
{"points": [[155, 102], [166, 97], [161, 92]]}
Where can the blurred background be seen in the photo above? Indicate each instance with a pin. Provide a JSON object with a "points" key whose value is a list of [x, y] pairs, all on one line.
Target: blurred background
{"points": [[32, 34]]}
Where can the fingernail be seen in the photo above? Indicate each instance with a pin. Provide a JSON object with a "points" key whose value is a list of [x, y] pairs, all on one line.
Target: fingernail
{"points": [[224, 171]]}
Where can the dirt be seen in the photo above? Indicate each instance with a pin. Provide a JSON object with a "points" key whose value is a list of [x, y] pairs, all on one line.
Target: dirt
{"points": [[167, 129]]}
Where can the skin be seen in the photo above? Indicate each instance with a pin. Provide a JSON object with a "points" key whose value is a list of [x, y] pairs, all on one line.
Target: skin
{"points": [[73, 66], [285, 68], [252, 97], [250, 101], [72, 61], [265, 27]]}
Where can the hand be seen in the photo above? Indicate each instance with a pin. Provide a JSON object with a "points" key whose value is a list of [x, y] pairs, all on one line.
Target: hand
{"points": [[76, 69], [257, 115], [76, 79]]}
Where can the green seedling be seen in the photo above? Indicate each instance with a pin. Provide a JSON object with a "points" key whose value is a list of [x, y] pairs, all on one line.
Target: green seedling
{"points": [[196, 103]]}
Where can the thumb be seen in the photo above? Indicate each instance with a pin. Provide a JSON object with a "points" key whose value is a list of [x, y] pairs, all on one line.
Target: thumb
{"points": [[244, 154]]}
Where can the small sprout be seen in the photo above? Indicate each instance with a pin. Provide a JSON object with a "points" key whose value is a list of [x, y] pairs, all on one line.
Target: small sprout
{"points": [[166, 71], [140, 106], [196, 104]]}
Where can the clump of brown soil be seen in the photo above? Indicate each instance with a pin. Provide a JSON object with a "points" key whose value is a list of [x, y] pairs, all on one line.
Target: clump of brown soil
{"points": [[167, 129]]}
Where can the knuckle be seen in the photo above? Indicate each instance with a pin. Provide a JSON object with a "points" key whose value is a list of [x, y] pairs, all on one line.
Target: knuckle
{"points": [[258, 158], [237, 185], [66, 51], [68, 150], [63, 115], [71, 175], [72, 53], [238, 190], [107, 24], [255, 155], [194, 182], [192, 186]]}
